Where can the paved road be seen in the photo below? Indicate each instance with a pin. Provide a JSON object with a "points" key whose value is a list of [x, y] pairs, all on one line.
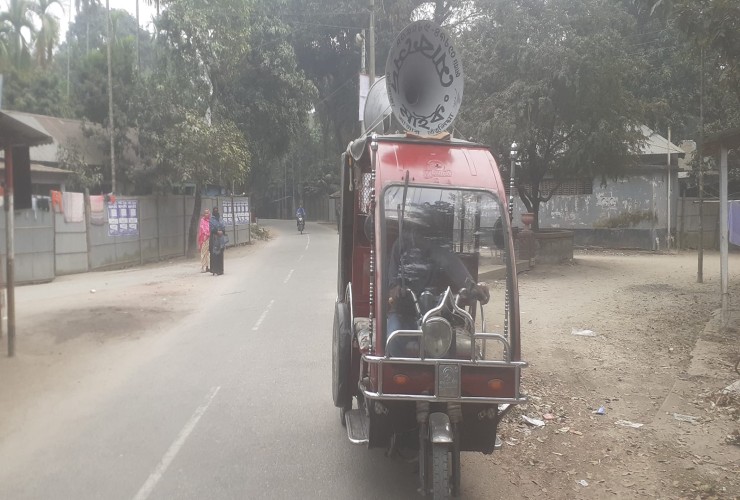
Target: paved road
{"points": [[235, 402]]}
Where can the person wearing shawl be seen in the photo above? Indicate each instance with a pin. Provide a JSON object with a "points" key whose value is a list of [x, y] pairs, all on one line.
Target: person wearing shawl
{"points": [[204, 238], [217, 252]]}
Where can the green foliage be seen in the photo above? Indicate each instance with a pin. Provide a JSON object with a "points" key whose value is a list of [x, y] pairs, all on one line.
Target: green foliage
{"points": [[179, 145], [324, 37], [47, 36], [710, 31], [84, 176], [34, 91], [17, 21], [268, 88], [552, 77]]}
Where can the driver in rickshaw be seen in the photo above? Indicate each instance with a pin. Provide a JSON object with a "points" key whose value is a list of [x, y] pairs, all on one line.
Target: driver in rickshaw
{"points": [[419, 260]]}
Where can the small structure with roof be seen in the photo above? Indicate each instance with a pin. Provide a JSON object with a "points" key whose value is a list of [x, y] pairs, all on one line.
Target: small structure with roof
{"points": [[630, 212], [16, 139], [67, 136]]}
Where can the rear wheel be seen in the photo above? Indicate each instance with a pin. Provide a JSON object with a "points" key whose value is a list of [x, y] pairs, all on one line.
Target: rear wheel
{"points": [[341, 359], [440, 471]]}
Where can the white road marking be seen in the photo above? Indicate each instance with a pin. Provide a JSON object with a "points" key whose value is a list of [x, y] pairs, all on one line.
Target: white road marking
{"points": [[289, 275], [168, 457], [300, 258], [262, 317], [308, 242]]}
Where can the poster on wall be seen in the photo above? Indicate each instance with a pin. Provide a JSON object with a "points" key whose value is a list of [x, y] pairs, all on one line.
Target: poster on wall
{"points": [[123, 218], [240, 214]]}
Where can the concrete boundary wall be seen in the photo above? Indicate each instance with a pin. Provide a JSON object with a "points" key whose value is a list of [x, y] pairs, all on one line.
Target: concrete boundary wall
{"points": [[34, 246], [47, 246], [239, 234], [70, 240], [687, 228], [163, 226]]}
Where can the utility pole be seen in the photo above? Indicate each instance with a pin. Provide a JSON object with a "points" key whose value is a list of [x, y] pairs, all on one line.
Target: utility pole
{"points": [[668, 237], [69, 45], [138, 51], [700, 264], [372, 44], [10, 248], [110, 102]]}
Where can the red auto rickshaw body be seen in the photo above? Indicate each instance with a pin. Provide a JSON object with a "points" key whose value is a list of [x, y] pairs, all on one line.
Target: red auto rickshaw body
{"points": [[442, 163], [476, 390]]}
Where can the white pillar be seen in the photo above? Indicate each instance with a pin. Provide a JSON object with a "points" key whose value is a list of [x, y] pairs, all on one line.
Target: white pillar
{"points": [[723, 212]]}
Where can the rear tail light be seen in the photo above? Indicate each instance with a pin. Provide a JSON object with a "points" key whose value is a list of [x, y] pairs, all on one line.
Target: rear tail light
{"points": [[496, 384]]}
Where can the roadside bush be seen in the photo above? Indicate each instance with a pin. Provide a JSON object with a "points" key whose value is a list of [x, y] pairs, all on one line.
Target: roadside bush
{"points": [[258, 232]]}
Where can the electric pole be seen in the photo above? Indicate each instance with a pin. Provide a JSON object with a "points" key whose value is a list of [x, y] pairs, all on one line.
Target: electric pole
{"points": [[700, 263], [110, 102], [371, 73]]}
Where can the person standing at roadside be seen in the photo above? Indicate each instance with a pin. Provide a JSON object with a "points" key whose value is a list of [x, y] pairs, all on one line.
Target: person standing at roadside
{"points": [[204, 241], [217, 253], [218, 242], [215, 224]]}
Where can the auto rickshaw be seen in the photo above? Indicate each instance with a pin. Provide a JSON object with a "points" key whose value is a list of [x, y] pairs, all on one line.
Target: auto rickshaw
{"points": [[419, 367]]}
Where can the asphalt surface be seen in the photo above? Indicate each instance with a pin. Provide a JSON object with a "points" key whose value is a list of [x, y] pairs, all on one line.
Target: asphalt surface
{"points": [[235, 401]]}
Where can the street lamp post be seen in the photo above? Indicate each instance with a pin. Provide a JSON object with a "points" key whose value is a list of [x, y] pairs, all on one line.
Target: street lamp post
{"points": [[513, 155], [507, 300]]}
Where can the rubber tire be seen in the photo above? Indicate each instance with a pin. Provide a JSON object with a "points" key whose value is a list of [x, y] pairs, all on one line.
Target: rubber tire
{"points": [[341, 357], [441, 484]]}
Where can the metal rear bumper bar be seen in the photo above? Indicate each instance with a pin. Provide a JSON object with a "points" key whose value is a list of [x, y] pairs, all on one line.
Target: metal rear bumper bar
{"points": [[381, 361]]}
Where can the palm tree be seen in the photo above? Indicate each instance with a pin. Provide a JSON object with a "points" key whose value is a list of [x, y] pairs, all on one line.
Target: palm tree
{"points": [[4, 43], [48, 35], [153, 2], [18, 18], [85, 5], [138, 23]]}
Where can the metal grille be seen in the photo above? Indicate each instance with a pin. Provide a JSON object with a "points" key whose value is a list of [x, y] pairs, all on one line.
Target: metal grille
{"points": [[365, 193]]}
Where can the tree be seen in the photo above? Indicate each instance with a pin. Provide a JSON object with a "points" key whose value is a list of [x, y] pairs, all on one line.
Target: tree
{"points": [[34, 91], [5, 50], [85, 7], [244, 72], [710, 24], [195, 151], [551, 76], [138, 35], [709, 32], [324, 34], [47, 36], [18, 19]]}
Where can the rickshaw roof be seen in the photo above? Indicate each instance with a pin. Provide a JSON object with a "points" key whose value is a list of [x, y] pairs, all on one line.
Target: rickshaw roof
{"points": [[359, 147]]}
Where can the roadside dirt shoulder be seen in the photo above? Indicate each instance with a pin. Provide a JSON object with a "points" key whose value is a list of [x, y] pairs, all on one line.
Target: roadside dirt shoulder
{"points": [[628, 411], [77, 331]]}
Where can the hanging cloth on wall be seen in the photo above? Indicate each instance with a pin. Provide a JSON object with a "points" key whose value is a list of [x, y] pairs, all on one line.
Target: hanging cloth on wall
{"points": [[74, 207], [98, 214], [56, 201], [733, 221], [43, 203]]}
